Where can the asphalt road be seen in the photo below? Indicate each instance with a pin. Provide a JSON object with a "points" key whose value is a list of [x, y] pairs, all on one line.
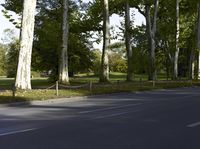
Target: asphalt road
{"points": [[166, 119]]}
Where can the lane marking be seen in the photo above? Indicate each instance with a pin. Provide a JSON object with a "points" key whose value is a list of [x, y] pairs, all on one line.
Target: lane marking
{"points": [[113, 115], [109, 108], [17, 131], [194, 125]]}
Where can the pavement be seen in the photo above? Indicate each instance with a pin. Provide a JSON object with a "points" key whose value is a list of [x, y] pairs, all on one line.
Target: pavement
{"points": [[164, 119]]}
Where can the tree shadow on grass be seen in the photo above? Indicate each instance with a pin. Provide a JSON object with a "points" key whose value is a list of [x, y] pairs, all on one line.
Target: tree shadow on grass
{"points": [[9, 100]]}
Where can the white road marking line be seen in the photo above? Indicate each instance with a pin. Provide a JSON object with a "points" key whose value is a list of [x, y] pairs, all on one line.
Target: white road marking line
{"points": [[194, 125], [109, 108], [113, 115], [17, 131]]}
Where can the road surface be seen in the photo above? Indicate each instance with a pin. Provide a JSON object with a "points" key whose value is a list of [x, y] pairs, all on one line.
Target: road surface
{"points": [[165, 119]]}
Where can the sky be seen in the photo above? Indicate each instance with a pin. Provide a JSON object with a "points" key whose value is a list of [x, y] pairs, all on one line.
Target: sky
{"points": [[114, 20], [5, 24]]}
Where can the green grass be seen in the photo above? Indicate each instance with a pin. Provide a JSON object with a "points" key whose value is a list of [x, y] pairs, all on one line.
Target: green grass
{"points": [[7, 97], [117, 84], [8, 83], [114, 77]]}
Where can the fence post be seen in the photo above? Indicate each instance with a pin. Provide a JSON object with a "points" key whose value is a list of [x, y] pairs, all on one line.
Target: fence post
{"points": [[90, 86], [154, 83], [57, 88], [191, 82]]}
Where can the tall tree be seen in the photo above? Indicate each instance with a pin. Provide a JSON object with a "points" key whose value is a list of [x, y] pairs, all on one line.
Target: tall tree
{"points": [[175, 75], [104, 71], [198, 41], [128, 42], [63, 74], [151, 31], [23, 80]]}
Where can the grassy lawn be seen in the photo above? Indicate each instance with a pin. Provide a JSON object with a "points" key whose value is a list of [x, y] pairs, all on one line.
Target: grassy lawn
{"points": [[117, 84], [6, 97], [7, 83]]}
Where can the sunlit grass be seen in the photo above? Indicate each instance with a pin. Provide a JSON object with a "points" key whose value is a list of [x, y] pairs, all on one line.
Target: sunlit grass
{"points": [[7, 96]]}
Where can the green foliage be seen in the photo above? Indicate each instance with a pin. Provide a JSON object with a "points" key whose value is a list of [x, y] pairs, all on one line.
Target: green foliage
{"points": [[117, 63], [140, 52], [79, 53], [16, 6], [47, 45], [2, 60], [140, 61], [90, 21], [85, 21], [12, 58], [13, 5], [96, 61]]}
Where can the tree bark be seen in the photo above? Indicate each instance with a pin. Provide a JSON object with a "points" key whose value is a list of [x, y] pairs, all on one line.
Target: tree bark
{"points": [[198, 72], [151, 31], [191, 65], [104, 73], [198, 43], [176, 55], [63, 72], [23, 77], [128, 42]]}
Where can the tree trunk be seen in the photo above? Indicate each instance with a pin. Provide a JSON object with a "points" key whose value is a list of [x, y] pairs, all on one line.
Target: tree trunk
{"points": [[191, 65], [198, 72], [151, 31], [176, 55], [198, 43], [128, 42], [104, 73], [23, 77], [63, 73]]}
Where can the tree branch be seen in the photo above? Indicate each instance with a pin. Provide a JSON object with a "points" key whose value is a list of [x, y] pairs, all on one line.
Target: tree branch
{"points": [[156, 3], [139, 10]]}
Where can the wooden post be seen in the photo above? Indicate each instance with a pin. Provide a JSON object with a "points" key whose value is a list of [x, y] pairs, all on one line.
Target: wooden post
{"points": [[154, 83], [90, 86], [191, 82], [57, 88]]}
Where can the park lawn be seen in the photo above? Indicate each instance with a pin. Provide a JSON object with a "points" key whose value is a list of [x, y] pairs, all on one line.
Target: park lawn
{"points": [[42, 83], [8, 83]]}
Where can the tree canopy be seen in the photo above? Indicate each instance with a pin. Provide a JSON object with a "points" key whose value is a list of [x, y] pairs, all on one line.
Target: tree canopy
{"points": [[150, 48]]}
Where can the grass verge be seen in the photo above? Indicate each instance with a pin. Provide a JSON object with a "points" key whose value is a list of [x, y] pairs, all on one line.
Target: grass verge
{"points": [[38, 94]]}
